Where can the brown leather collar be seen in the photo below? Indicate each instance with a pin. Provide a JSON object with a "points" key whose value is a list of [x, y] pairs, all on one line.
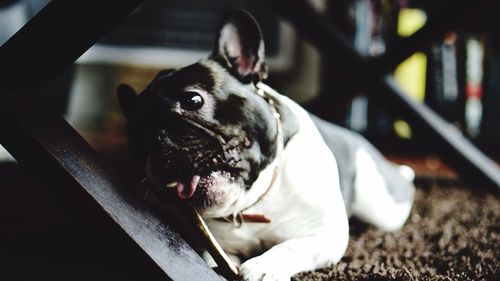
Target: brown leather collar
{"points": [[240, 218]]}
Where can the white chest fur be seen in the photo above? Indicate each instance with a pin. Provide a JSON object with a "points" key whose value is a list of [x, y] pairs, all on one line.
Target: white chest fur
{"points": [[305, 199]]}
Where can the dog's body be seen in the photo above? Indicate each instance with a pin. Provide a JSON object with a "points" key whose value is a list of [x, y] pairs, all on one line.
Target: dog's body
{"points": [[219, 139], [302, 203]]}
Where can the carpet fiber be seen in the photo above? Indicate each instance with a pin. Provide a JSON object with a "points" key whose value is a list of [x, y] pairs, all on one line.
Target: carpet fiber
{"points": [[452, 234]]}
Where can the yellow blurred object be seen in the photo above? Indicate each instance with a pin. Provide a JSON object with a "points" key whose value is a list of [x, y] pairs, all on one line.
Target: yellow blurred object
{"points": [[411, 73], [402, 129], [410, 20]]}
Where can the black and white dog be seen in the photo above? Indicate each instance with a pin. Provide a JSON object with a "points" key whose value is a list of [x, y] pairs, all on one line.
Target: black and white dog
{"points": [[275, 184]]}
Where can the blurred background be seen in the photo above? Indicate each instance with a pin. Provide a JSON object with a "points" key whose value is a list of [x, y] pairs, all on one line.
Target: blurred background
{"points": [[458, 76]]}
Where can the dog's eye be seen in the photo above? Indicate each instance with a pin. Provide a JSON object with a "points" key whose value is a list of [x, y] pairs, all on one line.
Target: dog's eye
{"points": [[191, 100]]}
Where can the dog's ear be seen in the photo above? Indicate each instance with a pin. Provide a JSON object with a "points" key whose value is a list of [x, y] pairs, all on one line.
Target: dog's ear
{"points": [[126, 97], [240, 47]]}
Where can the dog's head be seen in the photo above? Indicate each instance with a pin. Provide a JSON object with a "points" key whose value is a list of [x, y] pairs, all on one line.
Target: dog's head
{"points": [[202, 130]]}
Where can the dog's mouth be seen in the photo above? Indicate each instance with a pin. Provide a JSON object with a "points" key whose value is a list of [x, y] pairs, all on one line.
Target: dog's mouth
{"points": [[185, 189], [193, 164], [203, 191], [209, 189]]}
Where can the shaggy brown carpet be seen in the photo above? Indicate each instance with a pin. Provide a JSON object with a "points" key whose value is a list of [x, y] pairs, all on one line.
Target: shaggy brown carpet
{"points": [[452, 234]]}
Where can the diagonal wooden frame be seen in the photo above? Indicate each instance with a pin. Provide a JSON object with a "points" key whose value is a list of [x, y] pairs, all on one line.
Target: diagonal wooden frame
{"points": [[50, 148]]}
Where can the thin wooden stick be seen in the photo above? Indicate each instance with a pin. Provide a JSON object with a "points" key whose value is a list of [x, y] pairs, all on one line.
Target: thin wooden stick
{"points": [[225, 266]]}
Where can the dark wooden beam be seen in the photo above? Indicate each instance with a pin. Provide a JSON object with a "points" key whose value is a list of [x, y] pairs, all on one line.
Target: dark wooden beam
{"points": [[52, 150], [442, 137], [442, 16], [53, 39]]}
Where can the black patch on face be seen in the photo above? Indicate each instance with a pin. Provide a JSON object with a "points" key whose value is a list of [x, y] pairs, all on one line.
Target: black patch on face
{"points": [[254, 173], [253, 119], [266, 141], [230, 110]]}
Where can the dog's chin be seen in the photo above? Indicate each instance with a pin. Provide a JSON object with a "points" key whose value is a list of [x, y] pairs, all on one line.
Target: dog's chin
{"points": [[215, 194]]}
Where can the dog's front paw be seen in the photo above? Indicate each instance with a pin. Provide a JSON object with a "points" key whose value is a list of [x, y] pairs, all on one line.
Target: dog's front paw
{"points": [[259, 270]]}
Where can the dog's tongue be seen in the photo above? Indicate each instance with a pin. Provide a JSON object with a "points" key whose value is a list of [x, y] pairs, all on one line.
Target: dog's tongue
{"points": [[185, 190]]}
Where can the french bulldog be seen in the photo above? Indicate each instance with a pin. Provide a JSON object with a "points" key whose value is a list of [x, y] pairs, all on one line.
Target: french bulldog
{"points": [[275, 184]]}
